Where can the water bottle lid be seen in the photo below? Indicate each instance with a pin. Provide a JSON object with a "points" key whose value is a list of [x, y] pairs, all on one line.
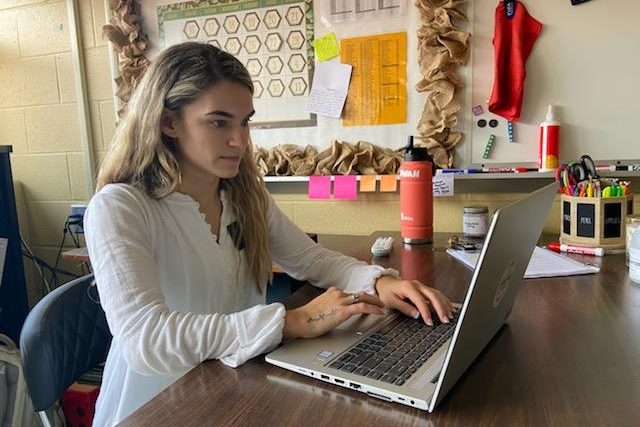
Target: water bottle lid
{"points": [[416, 154]]}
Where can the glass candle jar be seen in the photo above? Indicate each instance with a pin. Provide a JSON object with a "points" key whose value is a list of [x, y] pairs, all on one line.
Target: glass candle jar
{"points": [[632, 224], [634, 257], [475, 221]]}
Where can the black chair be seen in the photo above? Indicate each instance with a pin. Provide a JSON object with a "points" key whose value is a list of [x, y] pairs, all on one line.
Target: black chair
{"points": [[64, 336]]}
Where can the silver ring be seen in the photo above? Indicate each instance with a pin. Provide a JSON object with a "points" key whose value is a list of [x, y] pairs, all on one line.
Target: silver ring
{"points": [[356, 298]]}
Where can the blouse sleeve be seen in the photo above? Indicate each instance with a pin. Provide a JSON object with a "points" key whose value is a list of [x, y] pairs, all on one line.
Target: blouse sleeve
{"points": [[153, 338], [303, 259]]}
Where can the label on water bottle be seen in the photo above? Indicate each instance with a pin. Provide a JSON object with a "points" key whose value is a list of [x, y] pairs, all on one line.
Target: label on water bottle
{"points": [[409, 173], [404, 217]]}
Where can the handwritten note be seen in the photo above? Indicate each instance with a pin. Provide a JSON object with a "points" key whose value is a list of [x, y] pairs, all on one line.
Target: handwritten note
{"points": [[345, 187], [319, 187], [326, 47], [329, 90], [443, 185]]}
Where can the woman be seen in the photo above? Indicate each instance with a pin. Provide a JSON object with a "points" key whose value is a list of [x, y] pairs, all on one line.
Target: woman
{"points": [[182, 234]]}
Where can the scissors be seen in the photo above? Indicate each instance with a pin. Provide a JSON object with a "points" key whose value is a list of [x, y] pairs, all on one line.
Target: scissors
{"points": [[584, 169], [566, 180]]}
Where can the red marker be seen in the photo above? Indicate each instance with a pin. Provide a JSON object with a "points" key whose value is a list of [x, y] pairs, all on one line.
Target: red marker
{"points": [[498, 170], [582, 250], [554, 246]]}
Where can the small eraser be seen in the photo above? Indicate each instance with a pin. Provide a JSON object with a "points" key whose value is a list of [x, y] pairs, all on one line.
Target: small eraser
{"points": [[477, 110]]}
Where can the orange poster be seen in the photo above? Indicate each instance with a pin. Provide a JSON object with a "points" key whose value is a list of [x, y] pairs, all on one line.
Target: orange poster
{"points": [[378, 89]]}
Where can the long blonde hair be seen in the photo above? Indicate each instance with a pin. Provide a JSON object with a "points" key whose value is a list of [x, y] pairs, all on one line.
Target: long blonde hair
{"points": [[141, 155]]}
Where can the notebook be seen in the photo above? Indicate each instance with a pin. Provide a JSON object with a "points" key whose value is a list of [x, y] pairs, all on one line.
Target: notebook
{"points": [[543, 263]]}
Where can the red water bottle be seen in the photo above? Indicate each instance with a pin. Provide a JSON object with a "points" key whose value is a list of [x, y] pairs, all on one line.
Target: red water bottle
{"points": [[416, 195]]}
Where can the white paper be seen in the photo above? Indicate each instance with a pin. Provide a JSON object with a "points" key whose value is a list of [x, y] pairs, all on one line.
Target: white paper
{"points": [[334, 11], [543, 263], [443, 185], [329, 90], [3, 252]]}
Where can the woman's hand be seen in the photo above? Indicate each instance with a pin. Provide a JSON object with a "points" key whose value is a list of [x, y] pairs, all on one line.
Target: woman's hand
{"points": [[327, 311], [413, 298]]}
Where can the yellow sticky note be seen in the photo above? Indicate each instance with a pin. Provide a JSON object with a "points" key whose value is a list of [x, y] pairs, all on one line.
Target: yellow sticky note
{"points": [[367, 183], [326, 47], [388, 183]]}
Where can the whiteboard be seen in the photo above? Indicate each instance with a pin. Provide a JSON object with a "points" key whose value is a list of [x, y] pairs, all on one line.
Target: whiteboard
{"points": [[586, 61]]}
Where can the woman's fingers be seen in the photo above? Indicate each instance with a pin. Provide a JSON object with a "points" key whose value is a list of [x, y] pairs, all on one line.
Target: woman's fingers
{"points": [[439, 302], [418, 299], [362, 297], [363, 303], [363, 308], [406, 308], [410, 295]]}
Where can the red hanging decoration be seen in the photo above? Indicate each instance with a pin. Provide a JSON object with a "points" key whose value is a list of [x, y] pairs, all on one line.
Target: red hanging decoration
{"points": [[512, 42]]}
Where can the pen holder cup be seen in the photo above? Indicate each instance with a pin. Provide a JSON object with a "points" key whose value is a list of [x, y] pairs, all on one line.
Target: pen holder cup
{"points": [[594, 221]]}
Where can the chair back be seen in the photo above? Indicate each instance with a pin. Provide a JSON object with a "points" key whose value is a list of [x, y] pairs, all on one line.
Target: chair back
{"points": [[65, 335]]}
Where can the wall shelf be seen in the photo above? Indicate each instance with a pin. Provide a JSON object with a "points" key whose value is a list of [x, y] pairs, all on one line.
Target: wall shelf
{"points": [[475, 176], [465, 183]]}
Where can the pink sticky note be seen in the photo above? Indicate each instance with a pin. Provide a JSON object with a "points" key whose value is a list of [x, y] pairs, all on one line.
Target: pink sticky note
{"points": [[344, 187], [319, 187]]}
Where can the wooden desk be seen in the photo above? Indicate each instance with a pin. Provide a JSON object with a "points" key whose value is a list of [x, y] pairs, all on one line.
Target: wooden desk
{"points": [[569, 355], [76, 254]]}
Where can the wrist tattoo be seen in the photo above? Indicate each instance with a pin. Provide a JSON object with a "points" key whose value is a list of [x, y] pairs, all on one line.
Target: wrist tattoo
{"points": [[322, 316]]}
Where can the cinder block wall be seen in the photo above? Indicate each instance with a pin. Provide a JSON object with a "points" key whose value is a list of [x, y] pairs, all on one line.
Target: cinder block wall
{"points": [[381, 211], [38, 113]]}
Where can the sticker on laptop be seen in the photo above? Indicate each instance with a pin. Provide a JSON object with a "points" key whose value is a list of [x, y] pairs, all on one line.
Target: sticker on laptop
{"points": [[504, 284], [325, 354]]}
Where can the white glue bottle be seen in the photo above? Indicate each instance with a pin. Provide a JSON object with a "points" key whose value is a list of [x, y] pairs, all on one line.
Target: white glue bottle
{"points": [[549, 142], [634, 257]]}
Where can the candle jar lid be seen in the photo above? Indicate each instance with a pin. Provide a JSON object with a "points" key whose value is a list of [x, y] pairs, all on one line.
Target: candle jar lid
{"points": [[633, 219], [475, 209]]}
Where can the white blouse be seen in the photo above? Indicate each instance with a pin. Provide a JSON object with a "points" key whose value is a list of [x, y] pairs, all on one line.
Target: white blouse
{"points": [[175, 295]]}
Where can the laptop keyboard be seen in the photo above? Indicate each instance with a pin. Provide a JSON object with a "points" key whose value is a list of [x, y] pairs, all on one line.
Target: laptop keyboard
{"points": [[397, 350]]}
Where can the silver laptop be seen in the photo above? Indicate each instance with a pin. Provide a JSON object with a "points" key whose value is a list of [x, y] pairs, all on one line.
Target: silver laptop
{"points": [[399, 359]]}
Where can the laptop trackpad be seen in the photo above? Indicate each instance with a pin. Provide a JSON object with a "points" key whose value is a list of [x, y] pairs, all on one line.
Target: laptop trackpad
{"points": [[361, 323], [322, 349]]}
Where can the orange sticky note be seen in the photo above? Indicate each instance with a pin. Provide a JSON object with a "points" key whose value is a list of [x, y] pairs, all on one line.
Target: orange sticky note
{"points": [[345, 187], [319, 187], [388, 183], [367, 183]]}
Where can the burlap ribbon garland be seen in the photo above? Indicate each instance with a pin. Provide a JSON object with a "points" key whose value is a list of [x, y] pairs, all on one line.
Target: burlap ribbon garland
{"points": [[125, 32], [342, 158], [441, 49]]}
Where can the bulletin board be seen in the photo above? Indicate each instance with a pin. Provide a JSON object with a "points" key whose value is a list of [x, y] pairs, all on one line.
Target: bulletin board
{"points": [[586, 62], [398, 16], [273, 39]]}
